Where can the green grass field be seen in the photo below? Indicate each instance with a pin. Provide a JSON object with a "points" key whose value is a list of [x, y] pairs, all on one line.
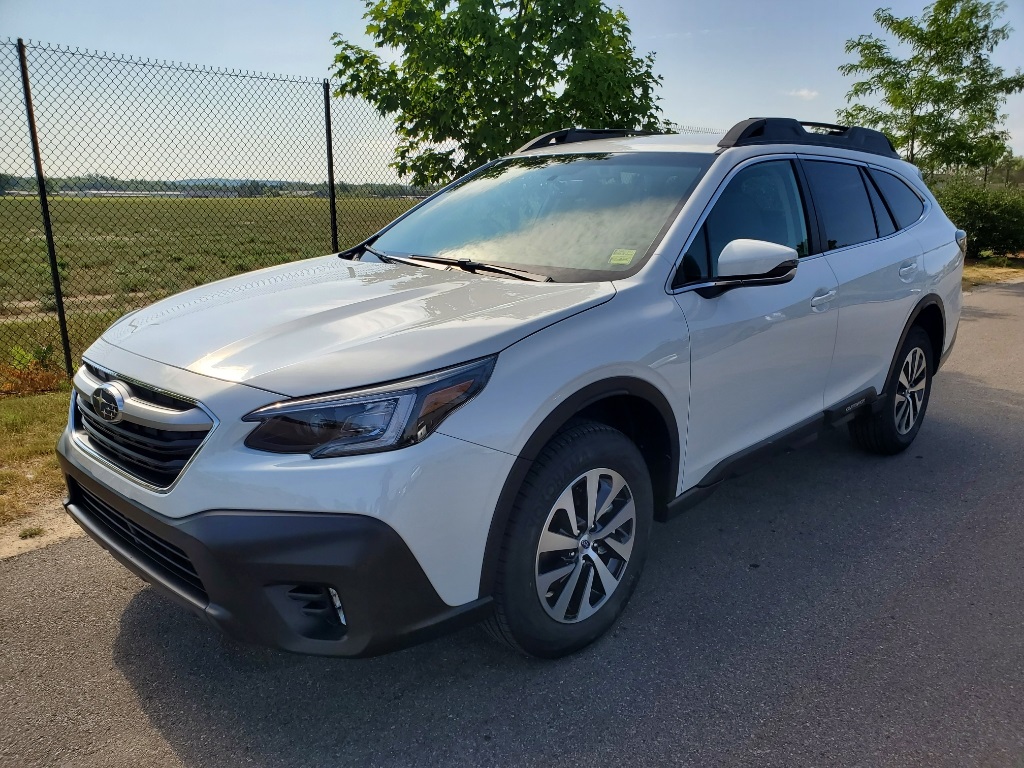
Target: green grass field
{"points": [[30, 477], [117, 254]]}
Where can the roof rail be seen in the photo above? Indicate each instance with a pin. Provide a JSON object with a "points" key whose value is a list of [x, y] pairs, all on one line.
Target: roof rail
{"points": [[571, 135], [786, 130]]}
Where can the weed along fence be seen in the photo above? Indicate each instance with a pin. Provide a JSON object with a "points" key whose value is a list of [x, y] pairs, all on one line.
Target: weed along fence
{"points": [[125, 180]]}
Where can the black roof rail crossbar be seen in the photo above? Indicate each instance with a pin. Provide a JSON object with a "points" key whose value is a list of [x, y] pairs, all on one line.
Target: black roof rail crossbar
{"points": [[786, 130], [571, 135]]}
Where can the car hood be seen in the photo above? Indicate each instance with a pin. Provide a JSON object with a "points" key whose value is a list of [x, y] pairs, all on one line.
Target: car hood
{"points": [[330, 323]]}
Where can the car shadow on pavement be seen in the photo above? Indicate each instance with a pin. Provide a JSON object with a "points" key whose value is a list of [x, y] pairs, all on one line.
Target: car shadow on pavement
{"points": [[970, 313], [746, 600]]}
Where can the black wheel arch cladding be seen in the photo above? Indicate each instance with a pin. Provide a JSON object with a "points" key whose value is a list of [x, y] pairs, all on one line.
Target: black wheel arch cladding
{"points": [[586, 402]]}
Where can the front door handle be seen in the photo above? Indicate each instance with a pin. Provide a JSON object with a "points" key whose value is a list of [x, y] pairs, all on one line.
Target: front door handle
{"points": [[823, 298]]}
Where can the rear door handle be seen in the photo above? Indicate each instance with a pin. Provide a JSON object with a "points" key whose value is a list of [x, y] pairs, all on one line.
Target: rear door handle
{"points": [[908, 269], [823, 298]]}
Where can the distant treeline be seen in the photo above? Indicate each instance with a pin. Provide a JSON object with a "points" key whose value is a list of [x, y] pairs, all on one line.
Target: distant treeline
{"points": [[100, 185]]}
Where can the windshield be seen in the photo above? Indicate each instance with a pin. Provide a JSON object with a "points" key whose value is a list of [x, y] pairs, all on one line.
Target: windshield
{"points": [[571, 217]]}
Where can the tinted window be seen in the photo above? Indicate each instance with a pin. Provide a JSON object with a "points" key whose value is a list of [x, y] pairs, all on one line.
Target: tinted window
{"points": [[883, 221], [695, 260], [842, 203], [905, 205], [762, 202]]}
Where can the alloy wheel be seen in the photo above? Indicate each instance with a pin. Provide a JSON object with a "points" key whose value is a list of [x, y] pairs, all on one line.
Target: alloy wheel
{"points": [[585, 545], [910, 390]]}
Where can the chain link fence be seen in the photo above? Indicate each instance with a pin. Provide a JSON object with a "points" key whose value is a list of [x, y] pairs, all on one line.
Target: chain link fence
{"points": [[124, 180], [160, 177]]}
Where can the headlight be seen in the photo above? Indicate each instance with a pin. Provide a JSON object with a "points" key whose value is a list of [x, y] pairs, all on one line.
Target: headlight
{"points": [[368, 420]]}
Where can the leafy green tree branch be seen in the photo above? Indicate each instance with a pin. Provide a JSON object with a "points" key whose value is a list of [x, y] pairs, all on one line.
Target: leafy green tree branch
{"points": [[475, 79]]}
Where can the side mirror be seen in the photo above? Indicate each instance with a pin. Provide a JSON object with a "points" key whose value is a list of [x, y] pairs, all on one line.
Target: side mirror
{"points": [[752, 262], [756, 259]]}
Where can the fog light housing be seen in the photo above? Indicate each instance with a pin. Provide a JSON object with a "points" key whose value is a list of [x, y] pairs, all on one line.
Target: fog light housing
{"points": [[310, 610]]}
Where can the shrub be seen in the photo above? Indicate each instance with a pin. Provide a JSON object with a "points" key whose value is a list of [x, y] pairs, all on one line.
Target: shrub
{"points": [[29, 379], [22, 359], [993, 217], [30, 370]]}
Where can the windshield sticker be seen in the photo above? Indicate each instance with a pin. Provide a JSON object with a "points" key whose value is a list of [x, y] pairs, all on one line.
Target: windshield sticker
{"points": [[622, 256]]}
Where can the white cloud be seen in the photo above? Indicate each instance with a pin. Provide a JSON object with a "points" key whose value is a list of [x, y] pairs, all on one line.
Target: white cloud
{"points": [[803, 93]]}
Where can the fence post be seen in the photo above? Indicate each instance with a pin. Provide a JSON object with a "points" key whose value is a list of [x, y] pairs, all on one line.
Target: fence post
{"points": [[45, 206], [330, 166]]}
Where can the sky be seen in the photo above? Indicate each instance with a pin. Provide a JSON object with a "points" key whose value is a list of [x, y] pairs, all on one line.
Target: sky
{"points": [[721, 61]]}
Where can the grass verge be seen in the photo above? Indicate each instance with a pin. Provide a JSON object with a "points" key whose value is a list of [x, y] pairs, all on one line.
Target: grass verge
{"points": [[992, 270], [29, 474]]}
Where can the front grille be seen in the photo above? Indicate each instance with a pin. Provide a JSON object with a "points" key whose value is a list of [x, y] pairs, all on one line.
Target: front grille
{"points": [[156, 435], [155, 455], [160, 555]]}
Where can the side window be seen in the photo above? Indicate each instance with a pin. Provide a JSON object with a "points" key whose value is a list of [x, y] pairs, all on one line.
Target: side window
{"points": [[762, 202], [883, 221], [841, 200], [904, 203]]}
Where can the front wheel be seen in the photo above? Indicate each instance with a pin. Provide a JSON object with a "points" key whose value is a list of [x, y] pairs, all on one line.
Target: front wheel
{"points": [[894, 428], [576, 542]]}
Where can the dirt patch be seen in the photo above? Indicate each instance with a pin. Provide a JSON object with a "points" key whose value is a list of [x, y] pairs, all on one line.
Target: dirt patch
{"points": [[56, 524]]}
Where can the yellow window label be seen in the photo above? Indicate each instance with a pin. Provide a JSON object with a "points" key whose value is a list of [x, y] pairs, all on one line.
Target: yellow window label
{"points": [[622, 256]]}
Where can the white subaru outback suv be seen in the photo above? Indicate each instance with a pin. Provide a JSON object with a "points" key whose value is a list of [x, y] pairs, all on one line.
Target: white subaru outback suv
{"points": [[482, 410]]}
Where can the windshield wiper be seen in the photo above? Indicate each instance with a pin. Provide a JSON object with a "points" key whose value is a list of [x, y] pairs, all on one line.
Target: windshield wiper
{"points": [[468, 265], [482, 266], [386, 258]]}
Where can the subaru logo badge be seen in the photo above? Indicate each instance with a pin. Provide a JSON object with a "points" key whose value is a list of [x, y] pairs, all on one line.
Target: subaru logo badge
{"points": [[108, 402]]}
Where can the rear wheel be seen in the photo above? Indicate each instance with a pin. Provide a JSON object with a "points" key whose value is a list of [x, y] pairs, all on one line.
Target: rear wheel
{"points": [[576, 542], [895, 426]]}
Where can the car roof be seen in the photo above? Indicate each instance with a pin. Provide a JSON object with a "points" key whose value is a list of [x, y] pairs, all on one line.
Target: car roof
{"points": [[707, 143], [773, 132], [665, 142]]}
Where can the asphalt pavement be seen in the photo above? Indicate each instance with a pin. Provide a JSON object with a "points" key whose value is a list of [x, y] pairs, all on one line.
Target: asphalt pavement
{"points": [[830, 608]]}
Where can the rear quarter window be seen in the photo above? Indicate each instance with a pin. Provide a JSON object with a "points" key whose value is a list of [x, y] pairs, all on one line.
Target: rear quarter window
{"points": [[883, 219], [903, 202]]}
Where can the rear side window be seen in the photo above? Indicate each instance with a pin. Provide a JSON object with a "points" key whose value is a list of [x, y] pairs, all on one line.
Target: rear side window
{"points": [[904, 203], [842, 203]]}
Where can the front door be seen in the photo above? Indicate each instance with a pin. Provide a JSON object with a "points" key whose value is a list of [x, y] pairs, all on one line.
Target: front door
{"points": [[759, 355]]}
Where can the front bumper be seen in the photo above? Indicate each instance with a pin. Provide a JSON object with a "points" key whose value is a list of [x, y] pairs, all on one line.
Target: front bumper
{"points": [[265, 576]]}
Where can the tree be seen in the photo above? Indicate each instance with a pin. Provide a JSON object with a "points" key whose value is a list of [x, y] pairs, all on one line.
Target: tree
{"points": [[251, 188], [1009, 170], [477, 78], [941, 103]]}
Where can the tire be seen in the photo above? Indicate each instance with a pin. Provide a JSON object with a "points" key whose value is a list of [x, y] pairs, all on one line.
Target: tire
{"points": [[580, 599], [894, 428]]}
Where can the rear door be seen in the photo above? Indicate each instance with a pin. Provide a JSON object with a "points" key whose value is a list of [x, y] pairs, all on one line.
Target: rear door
{"points": [[759, 355], [877, 261]]}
